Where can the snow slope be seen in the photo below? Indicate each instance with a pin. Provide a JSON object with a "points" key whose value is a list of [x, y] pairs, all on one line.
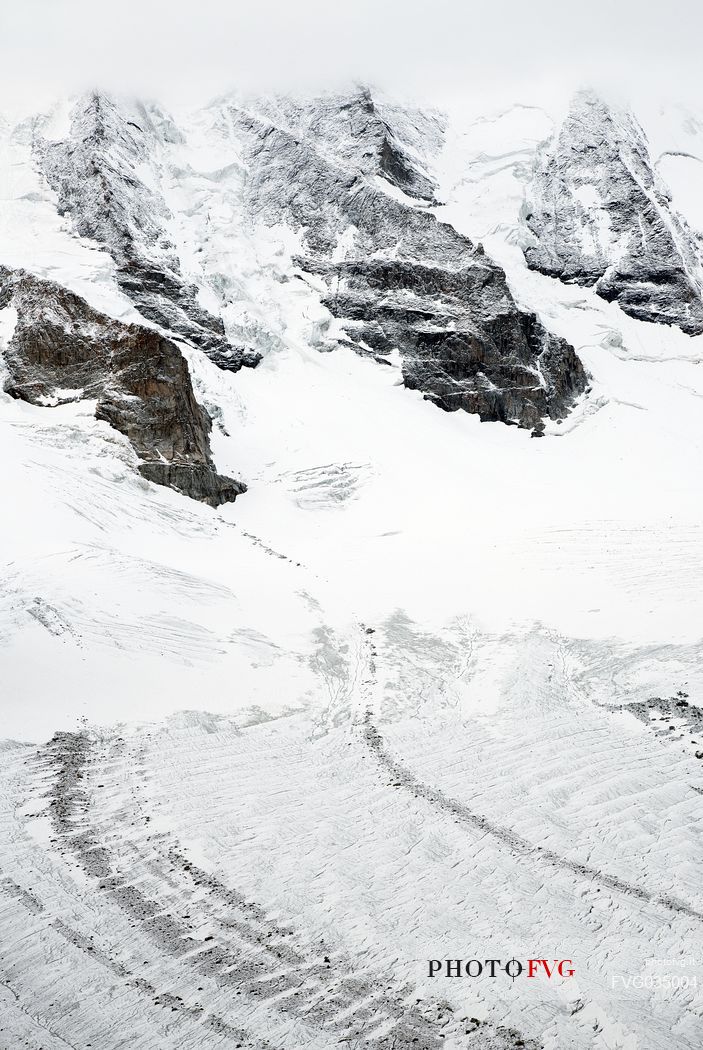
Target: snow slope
{"points": [[347, 714]]}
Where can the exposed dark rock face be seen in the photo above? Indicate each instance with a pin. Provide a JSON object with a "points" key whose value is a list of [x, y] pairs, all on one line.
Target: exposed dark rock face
{"points": [[63, 350], [372, 137], [599, 215], [462, 344], [98, 174], [398, 278]]}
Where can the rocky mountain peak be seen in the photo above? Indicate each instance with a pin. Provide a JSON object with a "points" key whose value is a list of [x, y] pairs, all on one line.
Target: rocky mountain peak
{"points": [[395, 276], [599, 215], [108, 179]]}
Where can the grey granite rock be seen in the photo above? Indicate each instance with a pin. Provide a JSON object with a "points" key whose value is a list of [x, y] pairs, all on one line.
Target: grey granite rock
{"points": [[397, 278], [375, 137], [598, 214]]}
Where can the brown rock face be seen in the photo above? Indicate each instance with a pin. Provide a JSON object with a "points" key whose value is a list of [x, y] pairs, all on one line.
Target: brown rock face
{"points": [[64, 350]]}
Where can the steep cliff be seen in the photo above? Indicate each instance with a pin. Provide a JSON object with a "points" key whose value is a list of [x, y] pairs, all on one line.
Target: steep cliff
{"points": [[598, 214], [63, 350]]}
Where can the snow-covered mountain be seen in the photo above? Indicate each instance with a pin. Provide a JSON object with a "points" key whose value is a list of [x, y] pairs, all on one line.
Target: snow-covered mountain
{"points": [[429, 689]]}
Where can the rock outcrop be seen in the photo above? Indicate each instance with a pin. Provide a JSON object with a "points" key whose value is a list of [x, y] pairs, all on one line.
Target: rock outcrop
{"points": [[63, 350], [598, 214], [463, 345]]}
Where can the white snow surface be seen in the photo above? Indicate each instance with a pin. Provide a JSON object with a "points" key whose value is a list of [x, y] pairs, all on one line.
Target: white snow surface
{"points": [[220, 662]]}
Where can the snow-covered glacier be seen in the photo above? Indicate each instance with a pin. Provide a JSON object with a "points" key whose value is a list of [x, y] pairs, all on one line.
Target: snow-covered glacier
{"points": [[319, 671]]}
